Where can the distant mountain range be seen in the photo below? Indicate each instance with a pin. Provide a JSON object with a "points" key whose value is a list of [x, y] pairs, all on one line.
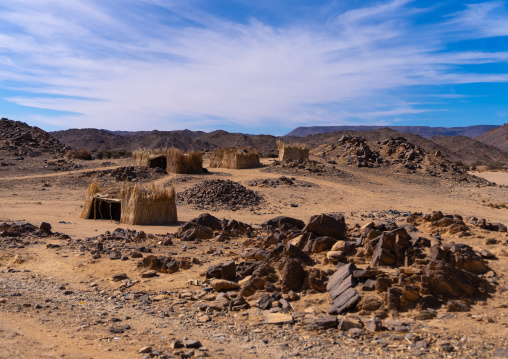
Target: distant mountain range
{"points": [[424, 131], [490, 146], [97, 140]]}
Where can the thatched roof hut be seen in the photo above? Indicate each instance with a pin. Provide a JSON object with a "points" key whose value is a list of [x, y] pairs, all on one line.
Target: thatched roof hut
{"points": [[181, 162], [134, 204], [101, 205], [292, 151], [234, 158], [150, 158], [148, 205]]}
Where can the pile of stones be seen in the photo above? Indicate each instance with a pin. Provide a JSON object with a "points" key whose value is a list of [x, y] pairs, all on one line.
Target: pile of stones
{"points": [[281, 181], [377, 270], [206, 226], [399, 150], [220, 194], [22, 234], [441, 223], [299, 166], [128, 173], [357, 152], [271, 182]]}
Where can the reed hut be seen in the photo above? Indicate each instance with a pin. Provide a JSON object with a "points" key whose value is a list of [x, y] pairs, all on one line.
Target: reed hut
{"points": [[150, 158], [292, 151], [234, 158], [134, 204], [181, 162], [101, 205], [148, 205]]}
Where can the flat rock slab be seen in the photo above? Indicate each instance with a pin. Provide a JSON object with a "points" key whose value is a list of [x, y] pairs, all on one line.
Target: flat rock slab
{"points": [[347, 283], [339, 276], [279, 318], [345, 301], [323, 321]]}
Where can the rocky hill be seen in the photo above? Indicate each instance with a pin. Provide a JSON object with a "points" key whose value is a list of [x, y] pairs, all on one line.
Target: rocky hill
{"points": [[20, 139], [423, 131], [97, 140], [453, 148], [462, 148], [497, 137]]}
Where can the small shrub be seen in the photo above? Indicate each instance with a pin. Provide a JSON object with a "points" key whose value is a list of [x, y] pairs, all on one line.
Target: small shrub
{"points": [[271, 155], [461, 165], [79, 154], [107, 154], [475, 165], [495, 166]]}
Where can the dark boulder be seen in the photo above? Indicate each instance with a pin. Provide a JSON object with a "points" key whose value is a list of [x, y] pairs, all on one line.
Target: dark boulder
{"points": [[327, 224]]}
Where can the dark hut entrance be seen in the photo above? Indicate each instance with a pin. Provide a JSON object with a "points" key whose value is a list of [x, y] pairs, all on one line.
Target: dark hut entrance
{"points": [[157, 162], [106, 208]]}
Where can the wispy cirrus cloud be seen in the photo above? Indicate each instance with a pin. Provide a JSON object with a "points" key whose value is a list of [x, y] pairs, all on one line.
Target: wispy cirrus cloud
{"points": [[157, 64]]}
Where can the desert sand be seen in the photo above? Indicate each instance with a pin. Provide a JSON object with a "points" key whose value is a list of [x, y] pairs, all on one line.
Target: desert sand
{"points": [[59, 301], [496, 177]]}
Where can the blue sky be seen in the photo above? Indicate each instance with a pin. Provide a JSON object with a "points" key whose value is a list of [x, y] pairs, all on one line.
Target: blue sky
{"points": [[252, 66]]}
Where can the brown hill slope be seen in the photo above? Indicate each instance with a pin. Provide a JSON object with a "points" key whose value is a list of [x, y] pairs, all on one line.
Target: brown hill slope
{"points": [[90, 139], [97, 140], [466, 149], [497, 137]]}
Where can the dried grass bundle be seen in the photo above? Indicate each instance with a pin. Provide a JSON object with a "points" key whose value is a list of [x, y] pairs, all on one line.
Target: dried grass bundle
{"points": [[148, 205], [234, 158], [292, 151], [92, 190], [181, 162]]}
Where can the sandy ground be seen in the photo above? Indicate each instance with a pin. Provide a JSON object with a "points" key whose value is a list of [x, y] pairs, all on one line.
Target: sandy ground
{"points": [[500, 178], [58, 198]]}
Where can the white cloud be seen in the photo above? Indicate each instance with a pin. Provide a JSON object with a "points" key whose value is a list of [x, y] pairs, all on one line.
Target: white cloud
{"points": [[122, 70]]}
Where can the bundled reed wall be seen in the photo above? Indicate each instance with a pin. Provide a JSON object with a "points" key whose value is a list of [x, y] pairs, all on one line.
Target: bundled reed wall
{"points": [[92, 190], [150, 158], [292, 151], [234, 158], [148, 205], [181, 162]]}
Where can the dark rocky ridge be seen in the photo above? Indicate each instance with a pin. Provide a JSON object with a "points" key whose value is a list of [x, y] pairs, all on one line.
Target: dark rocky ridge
{"points": [[424, 131]]}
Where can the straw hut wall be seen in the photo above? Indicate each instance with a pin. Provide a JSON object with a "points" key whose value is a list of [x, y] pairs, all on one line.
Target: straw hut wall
{"points": [[234, 158], [100, 205], [148, 205], [93, 189], [181, 162], [292, 151], [150, 158]]}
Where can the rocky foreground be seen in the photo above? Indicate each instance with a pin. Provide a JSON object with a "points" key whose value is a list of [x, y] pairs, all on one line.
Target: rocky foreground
{"points": [[283, 289]]}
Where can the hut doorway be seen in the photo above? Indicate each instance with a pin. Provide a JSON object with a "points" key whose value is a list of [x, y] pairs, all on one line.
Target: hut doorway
{"points": [[158, 162], [106, 208]]}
